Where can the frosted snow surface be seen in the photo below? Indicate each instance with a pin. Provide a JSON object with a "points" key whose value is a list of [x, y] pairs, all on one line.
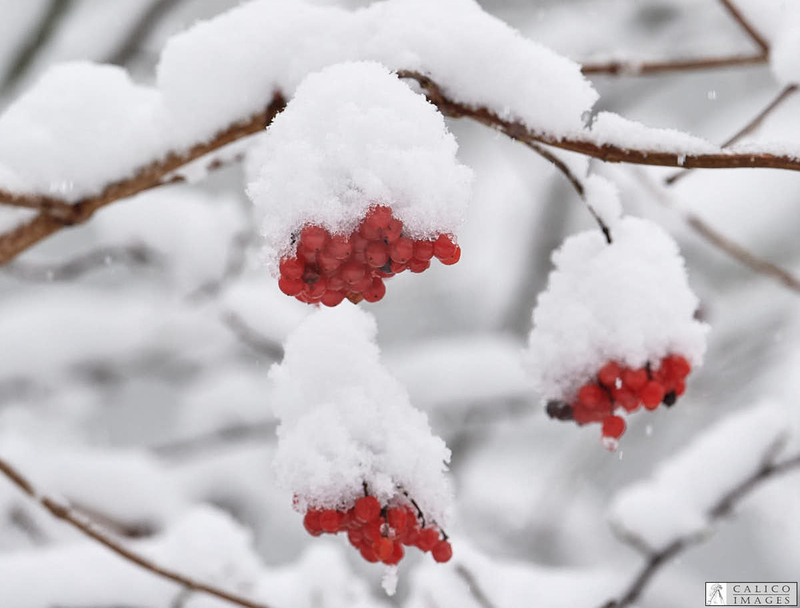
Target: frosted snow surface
{"points": [[628, 301], [345, 420], [355, 136], [676, 501]]}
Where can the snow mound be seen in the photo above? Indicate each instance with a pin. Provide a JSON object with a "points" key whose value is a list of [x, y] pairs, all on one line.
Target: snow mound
{"points": [[345, 421], [677, 500], [355, 136], [628, 301]]}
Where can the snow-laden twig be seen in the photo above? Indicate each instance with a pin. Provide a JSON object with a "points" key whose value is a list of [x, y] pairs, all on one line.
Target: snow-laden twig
{"points": [[723, 507], [737, 15], [648, 68], [66, 514], [746, 130], [55, 214]]}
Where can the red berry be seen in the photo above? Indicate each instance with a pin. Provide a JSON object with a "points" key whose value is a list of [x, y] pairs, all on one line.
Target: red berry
{"points": [[442, 551], [368, 553], [634, 379], [373, 530], [339, 247], [593, 397], [613, 426], [453, 258], [393, 231], [444, 247], [367, 509], [363, 284], [358, 243], [375, 291], [313, 237], [335, 283], [427, 539], [311, 522], [584, 415], [377, 254], [609, 374], [379, 216], [291, 268], [679, 366], [396, 556], [315, 290], [423, 250], [625, 398], [652, 394], [402, 250], [291, 287], [369, 232], [355, 536], [680, 387], [352, 272], [330, 520], [397, 519], [416, 265], [384, 548], [328, 263], [397, 267], [332, 298]]}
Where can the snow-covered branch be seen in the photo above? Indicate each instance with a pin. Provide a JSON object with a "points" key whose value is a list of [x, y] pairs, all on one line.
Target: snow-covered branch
{"points": [[63, 512]]}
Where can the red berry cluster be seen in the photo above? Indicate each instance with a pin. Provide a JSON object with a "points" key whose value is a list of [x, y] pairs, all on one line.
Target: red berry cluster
{"points": [[379, 533], [329, 268], [626, 388]]}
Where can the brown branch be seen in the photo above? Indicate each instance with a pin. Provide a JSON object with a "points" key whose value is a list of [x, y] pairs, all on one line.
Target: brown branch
{"points": [[723, 507], [151, 176], [251, 337], [746, 130], [737, 15], [64, 513], [474, 588], [653, 68]]}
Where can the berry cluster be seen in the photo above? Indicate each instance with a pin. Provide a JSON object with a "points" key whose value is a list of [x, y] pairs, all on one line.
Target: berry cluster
{"points": [[328, 268], [620, 387], [379, 533]]}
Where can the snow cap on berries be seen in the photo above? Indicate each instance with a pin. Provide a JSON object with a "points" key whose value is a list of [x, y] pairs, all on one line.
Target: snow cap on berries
{"points": [[628, 301], [345, 421], [355, 136]]}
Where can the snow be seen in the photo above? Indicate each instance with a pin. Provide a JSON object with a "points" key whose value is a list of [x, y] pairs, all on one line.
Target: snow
{"points": [[677, 499], [612, 129], [345, 420], [784, 56], [628, 301], [355, 136], [63, 136]]}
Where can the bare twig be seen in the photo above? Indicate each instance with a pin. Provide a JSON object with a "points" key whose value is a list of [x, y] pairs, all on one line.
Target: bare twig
{"points": [[723, 507], [737, 15], [474, 588], [249, 336], [140, 31], [64, 513], [185, 448], [654, 68], [129, 255], [751, 126], [54, 14]]}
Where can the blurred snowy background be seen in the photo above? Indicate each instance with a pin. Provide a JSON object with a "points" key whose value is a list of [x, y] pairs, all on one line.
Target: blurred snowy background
{"points": [[134, 349]]}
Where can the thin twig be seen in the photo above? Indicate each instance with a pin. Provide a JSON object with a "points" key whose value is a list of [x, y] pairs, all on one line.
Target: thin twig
{"points": [[654, 68], [251, 337], [723, 507], [186, 448], [64, 513], [474, 588], [746, 130], [132, 42], [52, 18], [129, 255], [737, 15]]}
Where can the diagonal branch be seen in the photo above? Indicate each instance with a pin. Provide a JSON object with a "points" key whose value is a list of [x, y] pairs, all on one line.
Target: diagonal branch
{"points": [[737, 15], [653, 68], [64, 513], [724, 506], [53, 217]]}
